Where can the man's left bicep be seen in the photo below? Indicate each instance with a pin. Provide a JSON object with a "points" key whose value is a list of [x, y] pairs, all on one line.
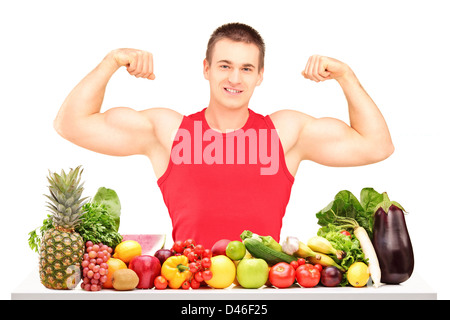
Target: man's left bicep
{"points": [[332, 142]]}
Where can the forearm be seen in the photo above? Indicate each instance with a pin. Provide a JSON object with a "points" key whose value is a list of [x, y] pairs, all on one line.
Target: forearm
{"points": [[365, 117], [87, 97]]}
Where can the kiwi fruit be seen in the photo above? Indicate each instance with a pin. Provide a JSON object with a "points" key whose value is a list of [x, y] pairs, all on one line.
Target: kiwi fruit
{"points": [[125, 279]]}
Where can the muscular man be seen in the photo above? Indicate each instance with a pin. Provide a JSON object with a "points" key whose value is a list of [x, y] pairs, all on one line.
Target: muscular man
{"points": [[211, 173]]}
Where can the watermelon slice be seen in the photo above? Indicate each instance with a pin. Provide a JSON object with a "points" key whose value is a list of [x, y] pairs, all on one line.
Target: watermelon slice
{"points": [[150, 243]]}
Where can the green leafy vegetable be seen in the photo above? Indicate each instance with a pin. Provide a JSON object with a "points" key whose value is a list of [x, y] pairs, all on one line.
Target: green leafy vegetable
{"points": [[98, 225], [34, 239], [370, 199], [109, 198], [346, 205], [339, 241]]}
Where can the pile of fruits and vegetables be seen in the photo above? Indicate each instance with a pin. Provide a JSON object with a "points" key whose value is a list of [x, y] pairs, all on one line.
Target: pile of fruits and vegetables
{"points": [[79, 244]]}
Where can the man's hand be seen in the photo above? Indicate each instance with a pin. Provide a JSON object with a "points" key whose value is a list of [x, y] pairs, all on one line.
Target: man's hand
{"points": [[320, 68], [139, 63]]}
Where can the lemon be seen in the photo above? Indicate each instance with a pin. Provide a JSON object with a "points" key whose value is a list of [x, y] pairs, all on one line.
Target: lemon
{"points": [[223, 270], [358, 274], [127, 250]]}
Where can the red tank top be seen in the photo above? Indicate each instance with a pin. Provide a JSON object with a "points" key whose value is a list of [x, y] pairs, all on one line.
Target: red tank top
{"points": [[220, 184]]}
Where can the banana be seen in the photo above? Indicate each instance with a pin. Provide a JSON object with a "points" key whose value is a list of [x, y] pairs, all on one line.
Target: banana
{"points": [[307, 251], [304, 251], [322, 245], [324, 260]]}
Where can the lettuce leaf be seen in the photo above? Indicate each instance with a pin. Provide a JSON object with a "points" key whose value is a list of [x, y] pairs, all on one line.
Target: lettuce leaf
{"points": [[370, 199], [346, 205], [110, 199], [339, 241]]}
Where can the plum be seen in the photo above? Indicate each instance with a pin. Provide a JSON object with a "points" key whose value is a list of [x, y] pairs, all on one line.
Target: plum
{"points": [[163, 254], [330, 276]]}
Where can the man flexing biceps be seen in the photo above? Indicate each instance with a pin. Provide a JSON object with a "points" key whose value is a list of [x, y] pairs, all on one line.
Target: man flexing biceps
{"points": [[216, 196], [330, 141], [119, 131]]}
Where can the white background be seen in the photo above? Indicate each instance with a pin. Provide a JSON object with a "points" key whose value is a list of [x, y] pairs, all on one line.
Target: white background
{"points": [[398, 50]]}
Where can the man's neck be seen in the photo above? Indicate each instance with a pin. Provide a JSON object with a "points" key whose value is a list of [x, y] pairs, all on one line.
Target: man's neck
{"points": [[225, 119]]}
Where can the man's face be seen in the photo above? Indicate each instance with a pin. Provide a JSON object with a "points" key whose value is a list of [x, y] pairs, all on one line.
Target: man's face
{"points": [[233, 73]]}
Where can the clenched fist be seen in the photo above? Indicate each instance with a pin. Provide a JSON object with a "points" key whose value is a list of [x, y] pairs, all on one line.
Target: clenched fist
{"points": [[139, 63], [320, 68]]}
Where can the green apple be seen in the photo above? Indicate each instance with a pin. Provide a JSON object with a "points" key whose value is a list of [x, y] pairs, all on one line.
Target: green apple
{"points": [[252, 273]]}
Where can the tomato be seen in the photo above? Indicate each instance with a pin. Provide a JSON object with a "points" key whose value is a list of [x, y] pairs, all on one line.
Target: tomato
{"points": [[294, 264], [193, 267], [307, 275], [160, 282], [191, 256], [199, 277], [189, 243], [186, 285], [207, 253], [178, 246], [318, 267], [206, 262], [346, 233], [195, 284], [301, 261], [282, 275], [207, 275], [187, 251], [199, 249]]}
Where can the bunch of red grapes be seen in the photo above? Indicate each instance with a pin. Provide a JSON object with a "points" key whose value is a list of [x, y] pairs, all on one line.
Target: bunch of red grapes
{"points": [[95, 267]]}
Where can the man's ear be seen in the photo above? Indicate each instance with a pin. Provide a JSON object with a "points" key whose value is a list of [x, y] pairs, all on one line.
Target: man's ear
{"points": [[260, 76], [206, 69]]}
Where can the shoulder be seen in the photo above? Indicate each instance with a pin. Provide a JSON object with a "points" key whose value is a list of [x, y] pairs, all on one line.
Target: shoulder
{"points": [[165, 113], [289, 117], [163, 117], [289, 125], [164, 123], [290, 120]]}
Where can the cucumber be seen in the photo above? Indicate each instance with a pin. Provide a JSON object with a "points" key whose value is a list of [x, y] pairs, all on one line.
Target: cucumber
{"points": [[258, 250]]}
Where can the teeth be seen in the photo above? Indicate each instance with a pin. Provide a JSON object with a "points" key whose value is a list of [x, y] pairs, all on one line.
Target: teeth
{"points": [[232, 90]]}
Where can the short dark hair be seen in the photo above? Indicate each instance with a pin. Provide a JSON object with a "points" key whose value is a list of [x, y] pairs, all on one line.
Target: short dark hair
{"points": [[238, 32]]}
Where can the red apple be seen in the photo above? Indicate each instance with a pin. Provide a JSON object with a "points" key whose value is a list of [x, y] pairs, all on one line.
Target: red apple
{"points": [[147, 268], [220, 247]]}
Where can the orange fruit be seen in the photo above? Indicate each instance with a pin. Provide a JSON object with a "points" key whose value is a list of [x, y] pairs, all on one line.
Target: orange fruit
{"points": [[127, 250], [113, 265]]}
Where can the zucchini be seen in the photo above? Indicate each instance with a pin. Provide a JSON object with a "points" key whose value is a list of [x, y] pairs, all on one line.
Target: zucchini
{"points": [[258, 250]]}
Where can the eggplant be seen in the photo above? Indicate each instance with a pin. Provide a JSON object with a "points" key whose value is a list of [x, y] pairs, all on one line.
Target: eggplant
{"points": [[392, 243]]}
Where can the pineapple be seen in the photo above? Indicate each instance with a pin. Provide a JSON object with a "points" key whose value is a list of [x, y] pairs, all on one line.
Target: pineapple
{"points": [[62, 249]]}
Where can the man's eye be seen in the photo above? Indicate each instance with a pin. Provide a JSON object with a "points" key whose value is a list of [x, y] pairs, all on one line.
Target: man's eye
{"points": [[224, 67]]}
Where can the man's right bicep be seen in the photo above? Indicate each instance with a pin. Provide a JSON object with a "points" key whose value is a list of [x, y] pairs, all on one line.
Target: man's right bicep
{"points": [[118, 132]]}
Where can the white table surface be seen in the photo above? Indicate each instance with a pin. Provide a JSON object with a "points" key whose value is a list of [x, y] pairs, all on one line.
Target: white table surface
{"points": [[414, 288]]}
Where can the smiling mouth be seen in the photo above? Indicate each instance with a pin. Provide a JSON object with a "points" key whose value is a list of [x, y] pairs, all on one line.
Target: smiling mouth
{"points": [[232, 91]]}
